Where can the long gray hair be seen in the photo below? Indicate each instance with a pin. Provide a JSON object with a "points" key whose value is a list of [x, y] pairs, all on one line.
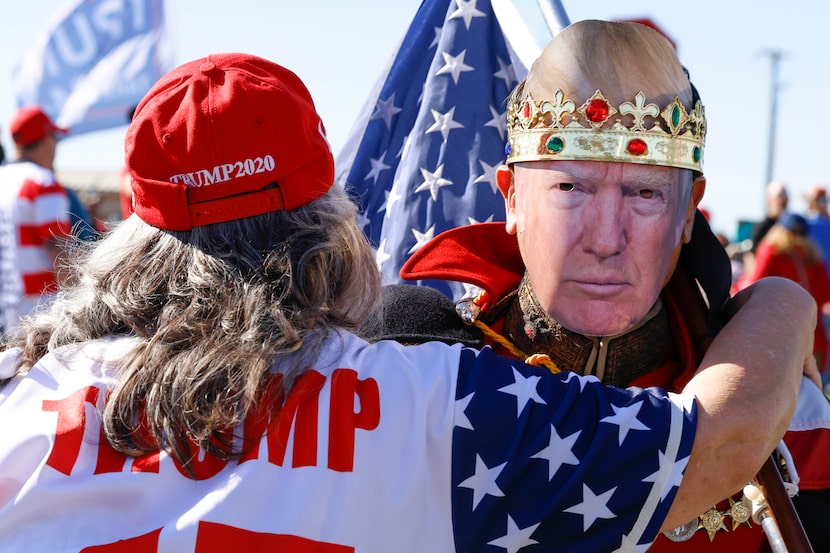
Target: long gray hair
{"points": [[214, 309]]}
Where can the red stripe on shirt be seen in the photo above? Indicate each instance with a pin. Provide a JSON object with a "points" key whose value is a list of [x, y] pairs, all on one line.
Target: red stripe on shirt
{"points": [[55, 229], [43, 282], [31, 189], [30, 235]]}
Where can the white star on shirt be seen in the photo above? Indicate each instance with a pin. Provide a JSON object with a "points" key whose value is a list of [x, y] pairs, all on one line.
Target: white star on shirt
{"points": [[381, 256], [444, 123], [461, 419], [516, 537], [558, 452], [378, 165], [593, 506], [489, 176], [433, 182], [483, 482], [467, 11], [506, 73], [675, 477], [626, 419], [524, 388], [498, 122], [386, 110], [454, 65], [422, 238]]}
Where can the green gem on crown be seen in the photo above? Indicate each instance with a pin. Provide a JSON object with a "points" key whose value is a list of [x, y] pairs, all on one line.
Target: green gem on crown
{"points": [[555, 144]]}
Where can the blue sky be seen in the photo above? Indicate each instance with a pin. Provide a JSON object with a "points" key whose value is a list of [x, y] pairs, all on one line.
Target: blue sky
{"points": [[340, 48]]}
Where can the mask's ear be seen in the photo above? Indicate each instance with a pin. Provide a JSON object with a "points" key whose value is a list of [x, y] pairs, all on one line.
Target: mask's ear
{"points": [[504, 179], [698, 188]]}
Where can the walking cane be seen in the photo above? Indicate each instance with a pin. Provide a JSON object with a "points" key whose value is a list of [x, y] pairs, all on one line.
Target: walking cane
{"points": [[777, 514]]}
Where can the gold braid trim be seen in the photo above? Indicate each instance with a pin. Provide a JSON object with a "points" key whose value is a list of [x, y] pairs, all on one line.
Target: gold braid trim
{"points": [[537, 359]]}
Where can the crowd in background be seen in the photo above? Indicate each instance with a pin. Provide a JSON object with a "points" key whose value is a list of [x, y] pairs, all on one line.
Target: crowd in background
{"points": [[791, 245]]}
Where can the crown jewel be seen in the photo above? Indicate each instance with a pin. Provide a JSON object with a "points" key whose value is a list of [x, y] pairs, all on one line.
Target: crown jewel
{"points": [[633, 132]]}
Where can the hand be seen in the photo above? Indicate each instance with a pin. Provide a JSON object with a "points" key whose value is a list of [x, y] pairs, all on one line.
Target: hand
{"points": [[811, 371]]}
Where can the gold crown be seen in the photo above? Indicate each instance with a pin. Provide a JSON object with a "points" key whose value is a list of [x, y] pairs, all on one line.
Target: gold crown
{"points": [[551, 130]]}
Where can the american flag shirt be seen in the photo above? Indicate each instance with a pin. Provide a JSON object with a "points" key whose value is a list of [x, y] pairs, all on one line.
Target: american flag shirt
{"points": [[377, 448]]}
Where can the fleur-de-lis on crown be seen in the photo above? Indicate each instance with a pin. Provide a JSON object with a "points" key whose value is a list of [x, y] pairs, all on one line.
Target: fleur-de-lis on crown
{"points": [[639, 111], [557, 108]]}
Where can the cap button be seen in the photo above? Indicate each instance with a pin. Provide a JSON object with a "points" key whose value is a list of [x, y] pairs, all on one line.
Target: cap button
{"points": [[207, 67]]}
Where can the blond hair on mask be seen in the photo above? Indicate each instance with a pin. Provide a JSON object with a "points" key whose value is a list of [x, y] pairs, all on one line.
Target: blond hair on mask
{"points": [[620, 59]]}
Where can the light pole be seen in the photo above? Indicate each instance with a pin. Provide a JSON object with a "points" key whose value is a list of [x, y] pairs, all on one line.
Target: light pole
{"points": [[775, 60]]}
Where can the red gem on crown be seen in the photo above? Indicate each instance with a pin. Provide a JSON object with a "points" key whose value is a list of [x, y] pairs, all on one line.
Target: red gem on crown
{"points": [[597, 110], [637, 147]]}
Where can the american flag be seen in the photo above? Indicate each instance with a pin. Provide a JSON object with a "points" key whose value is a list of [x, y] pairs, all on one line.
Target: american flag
{"points": [[425, 161]]}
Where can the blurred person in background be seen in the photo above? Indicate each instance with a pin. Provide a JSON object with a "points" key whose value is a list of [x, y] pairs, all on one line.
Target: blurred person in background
{"points": [[34, 216], [787, 251], [776, 201], [818, 219]]}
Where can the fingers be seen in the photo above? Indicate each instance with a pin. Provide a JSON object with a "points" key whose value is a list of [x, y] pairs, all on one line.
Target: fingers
{"points": [[811, 370]]}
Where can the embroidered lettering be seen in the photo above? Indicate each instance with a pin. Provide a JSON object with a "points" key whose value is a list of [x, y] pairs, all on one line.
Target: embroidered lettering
{"points": [[225, 171]]}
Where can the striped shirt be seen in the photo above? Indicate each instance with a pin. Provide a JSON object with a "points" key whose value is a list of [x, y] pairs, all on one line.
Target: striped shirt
{"points": [[34, 209]]}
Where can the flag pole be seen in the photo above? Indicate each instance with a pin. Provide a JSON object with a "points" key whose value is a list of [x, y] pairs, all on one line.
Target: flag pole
{"points": [[554, 14]]}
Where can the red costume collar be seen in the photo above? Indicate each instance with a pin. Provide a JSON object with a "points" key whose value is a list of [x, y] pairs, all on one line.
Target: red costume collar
{"points": [[482, 254]]}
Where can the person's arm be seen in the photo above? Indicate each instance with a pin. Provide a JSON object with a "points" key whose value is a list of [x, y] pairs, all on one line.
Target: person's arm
{"points": [[746, 392]]}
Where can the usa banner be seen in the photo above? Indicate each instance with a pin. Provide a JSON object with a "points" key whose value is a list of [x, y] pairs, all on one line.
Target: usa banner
{"points": [[94, 62], [422, 157]]}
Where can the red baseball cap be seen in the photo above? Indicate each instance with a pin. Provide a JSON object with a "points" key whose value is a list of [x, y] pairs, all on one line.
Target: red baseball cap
{"points": [[225, 137], [30, 124]]}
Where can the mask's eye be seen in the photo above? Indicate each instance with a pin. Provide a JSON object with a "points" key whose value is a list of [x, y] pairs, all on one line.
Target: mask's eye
{"points": [[647, 194], [566, 186]]}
